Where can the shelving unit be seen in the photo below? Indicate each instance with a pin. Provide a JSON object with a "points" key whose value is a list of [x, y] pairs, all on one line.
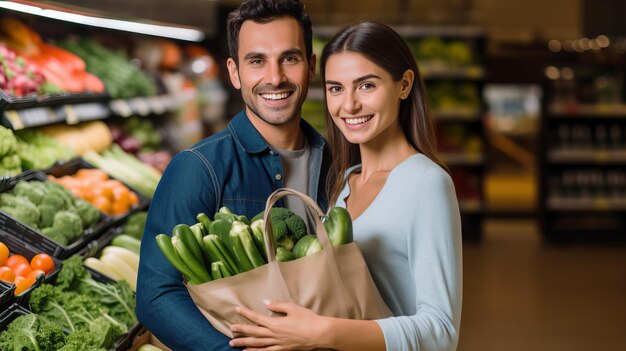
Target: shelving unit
{"points": [[452, 63], [582, 174]]}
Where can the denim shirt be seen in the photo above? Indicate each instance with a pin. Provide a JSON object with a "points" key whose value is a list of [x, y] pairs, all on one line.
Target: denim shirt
{"points": [[234, 168]]}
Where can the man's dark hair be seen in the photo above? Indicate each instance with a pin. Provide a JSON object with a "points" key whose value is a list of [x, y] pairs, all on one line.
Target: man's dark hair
{"points": [[264, 11]]}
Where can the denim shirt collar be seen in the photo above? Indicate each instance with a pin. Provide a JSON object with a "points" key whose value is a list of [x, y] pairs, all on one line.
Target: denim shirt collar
{"points": [[251, 141]]}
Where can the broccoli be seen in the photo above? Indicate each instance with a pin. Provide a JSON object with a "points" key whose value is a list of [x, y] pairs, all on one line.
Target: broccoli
{"points": [[10, 165], [69, 224], [54, 199], [59, 191], [21, 209], [288, 227], [88, 214], [47, 215], [55, 235], [28, 189], [8, 142], [31, 332]]}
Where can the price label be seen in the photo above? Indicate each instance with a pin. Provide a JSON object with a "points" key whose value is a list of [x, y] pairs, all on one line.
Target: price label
{"points": [[121, 108], [141, 106], [14, 118], [71, 117]]}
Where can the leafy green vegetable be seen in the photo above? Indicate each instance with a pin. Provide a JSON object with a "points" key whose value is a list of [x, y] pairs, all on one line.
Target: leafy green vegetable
{"points": [[117, 297], [32, 333]]}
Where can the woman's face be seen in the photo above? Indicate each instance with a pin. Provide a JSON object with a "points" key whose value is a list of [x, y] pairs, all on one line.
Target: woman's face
{"points": [[362, 98]]}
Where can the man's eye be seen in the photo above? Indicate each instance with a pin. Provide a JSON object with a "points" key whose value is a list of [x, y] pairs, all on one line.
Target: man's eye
{"points": [[291, 59], [256, 61]]}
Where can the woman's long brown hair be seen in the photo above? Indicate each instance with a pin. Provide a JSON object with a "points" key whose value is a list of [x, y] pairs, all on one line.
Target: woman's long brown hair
{"points": [[386, 48]]}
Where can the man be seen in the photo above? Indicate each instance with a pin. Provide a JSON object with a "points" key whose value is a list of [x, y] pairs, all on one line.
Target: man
{"points": [[265, 147]]}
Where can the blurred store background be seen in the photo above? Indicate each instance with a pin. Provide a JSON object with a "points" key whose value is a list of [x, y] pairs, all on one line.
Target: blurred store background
{"points": [[528, 97]]}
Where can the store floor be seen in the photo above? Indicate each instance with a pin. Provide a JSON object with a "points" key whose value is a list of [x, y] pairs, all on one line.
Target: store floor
{"points": [[520, 294]]}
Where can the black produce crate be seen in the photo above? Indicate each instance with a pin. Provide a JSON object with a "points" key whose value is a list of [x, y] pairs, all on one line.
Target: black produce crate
{"points": [[94, 247], [72, 166], [12, 232], [6, 294], [28, 251], [10, 314]]}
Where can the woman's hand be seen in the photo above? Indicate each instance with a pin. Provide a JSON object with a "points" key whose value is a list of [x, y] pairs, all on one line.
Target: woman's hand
{"points": [[298, 329]]}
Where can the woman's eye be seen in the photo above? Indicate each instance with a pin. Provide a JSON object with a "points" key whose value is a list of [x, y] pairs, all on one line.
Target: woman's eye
{"points": [[367, 86], [334, 89]]}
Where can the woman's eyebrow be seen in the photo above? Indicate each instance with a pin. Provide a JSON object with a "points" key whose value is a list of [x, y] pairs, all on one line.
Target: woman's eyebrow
{"points": [[360, 79]]}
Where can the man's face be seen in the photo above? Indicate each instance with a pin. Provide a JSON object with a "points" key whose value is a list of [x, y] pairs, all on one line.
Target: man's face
{"points": [[273, 72]]}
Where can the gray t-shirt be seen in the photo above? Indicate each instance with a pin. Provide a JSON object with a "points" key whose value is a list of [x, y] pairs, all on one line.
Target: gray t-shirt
{"points": [[296, 172]]}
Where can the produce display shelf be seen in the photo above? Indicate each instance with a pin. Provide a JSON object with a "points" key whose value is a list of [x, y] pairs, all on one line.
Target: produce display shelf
{"points": [[12, 232], [9, 102], [458, 114], [586, 204], [438, 72], [573, 110], [74, 111], [588, 156]]}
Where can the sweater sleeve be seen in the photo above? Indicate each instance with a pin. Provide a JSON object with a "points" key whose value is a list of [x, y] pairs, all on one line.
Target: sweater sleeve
{"points": [[434, 255], [163, 304]]}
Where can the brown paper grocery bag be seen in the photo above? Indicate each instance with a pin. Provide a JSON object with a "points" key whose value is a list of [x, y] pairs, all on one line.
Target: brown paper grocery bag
{"points": [[332, 282]]}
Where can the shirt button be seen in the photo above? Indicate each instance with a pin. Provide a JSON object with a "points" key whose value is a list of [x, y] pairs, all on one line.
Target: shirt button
{"points": [[271, 152], [278, 176]]}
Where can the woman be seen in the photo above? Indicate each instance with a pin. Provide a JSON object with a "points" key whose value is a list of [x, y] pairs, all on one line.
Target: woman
{"points": [[402, 200]]}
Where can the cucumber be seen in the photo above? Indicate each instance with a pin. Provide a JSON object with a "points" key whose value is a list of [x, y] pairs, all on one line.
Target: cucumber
{"points": [[128, 242]]}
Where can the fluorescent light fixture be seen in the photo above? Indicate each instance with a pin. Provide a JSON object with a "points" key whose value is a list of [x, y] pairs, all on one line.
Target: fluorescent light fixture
{"points": [[166, 31]]}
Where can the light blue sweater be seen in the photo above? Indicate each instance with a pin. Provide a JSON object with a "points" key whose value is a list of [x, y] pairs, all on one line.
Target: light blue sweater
{"points": [[410, 236]]}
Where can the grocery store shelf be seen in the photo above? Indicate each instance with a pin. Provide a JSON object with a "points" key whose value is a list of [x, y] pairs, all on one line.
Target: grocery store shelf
{"points": [[436, 71], [586, 204], [70, 112], [463, 159], [587, 156], [75, 14], [457, 114], [568, 110]]}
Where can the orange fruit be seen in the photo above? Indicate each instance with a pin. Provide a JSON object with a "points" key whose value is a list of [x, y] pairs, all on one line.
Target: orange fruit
{"points": [[7, 274], [102, 203], [92, 174], [15, 260], [4, 253], [42, 262], [21, 284], [103, 191], [133, 198]]}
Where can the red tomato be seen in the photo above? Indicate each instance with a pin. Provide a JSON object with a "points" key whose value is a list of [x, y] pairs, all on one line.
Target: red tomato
{"points": [[43, 262], [7, 274], [15, 260], [22, 270]]}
